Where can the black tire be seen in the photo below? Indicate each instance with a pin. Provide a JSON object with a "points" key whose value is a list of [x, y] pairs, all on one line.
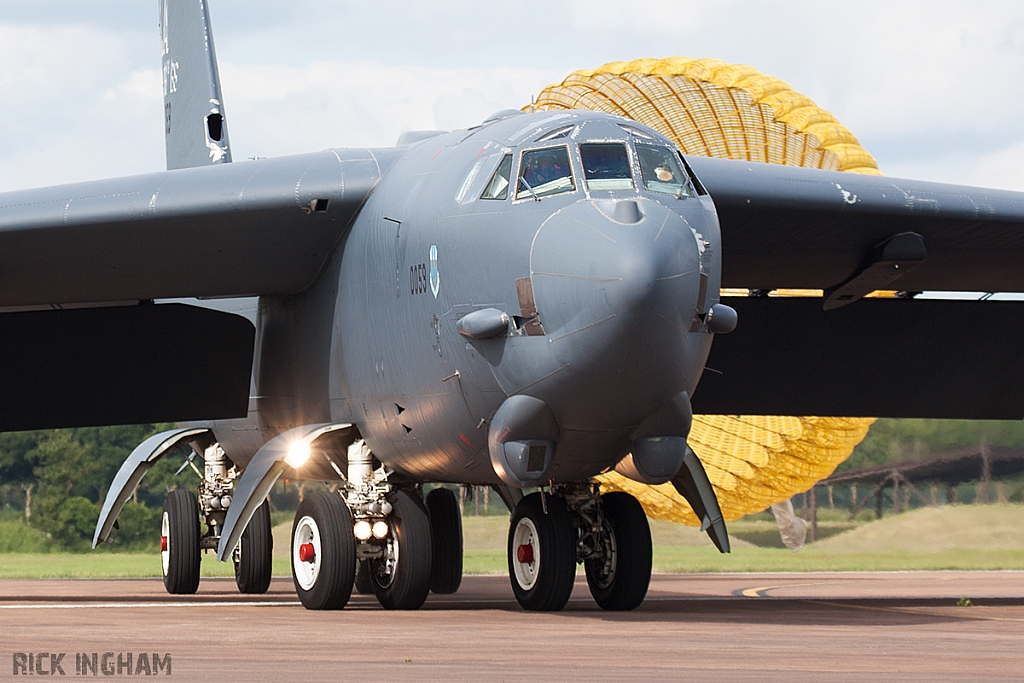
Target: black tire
{"points": [[255, 555], [324, 579], [180, 559], [364, 584], [406, 584], [542, 578], [619, 581], [446, 541]]}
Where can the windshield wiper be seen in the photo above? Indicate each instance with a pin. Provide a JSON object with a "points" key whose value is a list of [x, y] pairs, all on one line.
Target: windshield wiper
{"points": [[530, 189]]}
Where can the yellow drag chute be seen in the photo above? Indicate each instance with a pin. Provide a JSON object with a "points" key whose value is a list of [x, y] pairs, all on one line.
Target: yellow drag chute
{"points": [[711, 108]]}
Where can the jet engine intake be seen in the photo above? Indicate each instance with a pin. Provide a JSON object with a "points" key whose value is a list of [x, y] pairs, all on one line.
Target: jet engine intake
{"points": [[522, 440], [654, 459]]}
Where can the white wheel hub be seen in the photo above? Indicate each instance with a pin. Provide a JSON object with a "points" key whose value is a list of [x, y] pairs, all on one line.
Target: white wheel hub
{"points": [[306, 570], [165, 548], [526, 553]]}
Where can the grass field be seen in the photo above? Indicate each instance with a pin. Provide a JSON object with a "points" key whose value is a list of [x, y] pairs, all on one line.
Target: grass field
{"points": [[958, 537]]}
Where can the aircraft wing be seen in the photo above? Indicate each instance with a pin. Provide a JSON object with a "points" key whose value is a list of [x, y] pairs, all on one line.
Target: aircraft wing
{"points": [[263, 227], [849, 234], [791, 227], [86, 253]]}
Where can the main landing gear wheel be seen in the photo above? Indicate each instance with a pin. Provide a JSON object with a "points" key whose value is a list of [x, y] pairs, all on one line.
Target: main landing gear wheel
{"points": [[401, 578], [619, 580], [446, 541], [323, 551], [541, 553], [254, 555], [179, 542]]}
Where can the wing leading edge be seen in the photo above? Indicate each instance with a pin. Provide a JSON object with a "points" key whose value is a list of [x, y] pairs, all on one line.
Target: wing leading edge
{"points": [[789, 227], [265, 227]]}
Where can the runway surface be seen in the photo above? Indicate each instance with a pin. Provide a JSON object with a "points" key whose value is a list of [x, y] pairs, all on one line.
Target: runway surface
{"points": [[750, 627]]}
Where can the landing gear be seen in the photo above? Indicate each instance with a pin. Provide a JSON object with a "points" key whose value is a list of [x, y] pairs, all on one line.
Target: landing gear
{"points": [[542, 552], [620, 571], [550, 533], [446, 541], [181, 538], [179, 542], [253, 557], [364, 584], [400, 575], [369, 528], [323, 552]]}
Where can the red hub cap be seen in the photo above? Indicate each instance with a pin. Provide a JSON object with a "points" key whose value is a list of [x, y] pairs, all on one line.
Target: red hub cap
{"points": [[525, 553], [306, 552], [163, 544]]}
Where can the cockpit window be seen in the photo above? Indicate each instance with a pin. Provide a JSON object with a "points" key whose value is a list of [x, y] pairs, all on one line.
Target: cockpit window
{"points": [[606, 166], [558, 133], [545, 172], [632, 130], [498, 187], [661, 171]]}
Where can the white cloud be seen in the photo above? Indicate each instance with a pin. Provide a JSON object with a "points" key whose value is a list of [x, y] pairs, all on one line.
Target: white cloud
{"points": [[275, 110], [1003, 169], [930, 88], [661, 17], [73, 108]]}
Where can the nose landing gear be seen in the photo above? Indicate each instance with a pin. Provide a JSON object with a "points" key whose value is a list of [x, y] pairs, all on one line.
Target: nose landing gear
{"points": [[619, 572], [552, 532], [541, 553]]}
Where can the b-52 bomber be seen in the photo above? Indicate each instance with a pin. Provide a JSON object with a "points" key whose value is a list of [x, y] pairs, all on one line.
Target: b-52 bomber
{"points": [[524, 305]]}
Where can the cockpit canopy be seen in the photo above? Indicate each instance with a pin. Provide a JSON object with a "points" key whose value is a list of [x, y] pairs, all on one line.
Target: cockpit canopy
{"points": [[604, 158]]}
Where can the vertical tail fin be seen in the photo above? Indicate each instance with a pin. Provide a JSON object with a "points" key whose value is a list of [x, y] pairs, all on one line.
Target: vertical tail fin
{"points": [[196, 131]]}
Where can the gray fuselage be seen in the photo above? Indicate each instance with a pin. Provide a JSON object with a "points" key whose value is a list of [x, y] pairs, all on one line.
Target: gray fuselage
{"points": [[617, 275]]}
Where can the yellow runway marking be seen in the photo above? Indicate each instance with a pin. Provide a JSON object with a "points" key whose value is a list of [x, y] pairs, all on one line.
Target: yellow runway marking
{"points": [[760, 592]]}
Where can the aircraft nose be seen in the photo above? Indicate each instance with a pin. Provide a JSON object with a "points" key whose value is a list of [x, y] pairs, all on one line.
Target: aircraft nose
{"points": [[616, 287]]}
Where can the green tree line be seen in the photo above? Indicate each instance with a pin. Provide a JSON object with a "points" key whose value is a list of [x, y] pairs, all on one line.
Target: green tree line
{"points": [[56, 481], [893, 440]]}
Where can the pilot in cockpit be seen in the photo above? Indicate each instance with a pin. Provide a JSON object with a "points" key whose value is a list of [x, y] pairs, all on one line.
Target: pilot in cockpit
{"points": [[541, 169], [544, 172], [664, 173]]}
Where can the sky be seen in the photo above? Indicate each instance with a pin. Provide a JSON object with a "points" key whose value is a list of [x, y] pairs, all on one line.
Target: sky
{"points": [[932, 89]]}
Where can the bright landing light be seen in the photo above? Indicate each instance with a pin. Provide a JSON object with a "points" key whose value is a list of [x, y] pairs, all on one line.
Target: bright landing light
{"points": [[298, 454], [362, 530]]}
